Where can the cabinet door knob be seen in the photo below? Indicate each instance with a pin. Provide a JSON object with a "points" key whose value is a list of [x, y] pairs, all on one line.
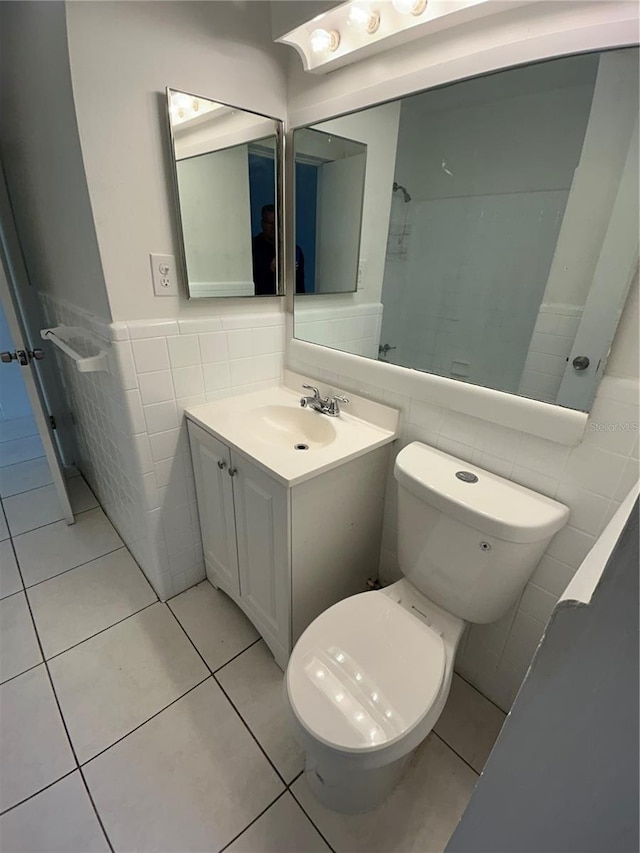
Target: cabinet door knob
{"points": [[221, 465], [233, 472]]}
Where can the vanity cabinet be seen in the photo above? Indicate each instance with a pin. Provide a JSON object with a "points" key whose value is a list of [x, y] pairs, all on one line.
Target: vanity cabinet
{"points": [[244, 525], [286, 553]]}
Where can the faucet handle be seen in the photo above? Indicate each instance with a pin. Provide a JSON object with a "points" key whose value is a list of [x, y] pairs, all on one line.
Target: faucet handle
{"points": [[316, 393], [333, 407]]}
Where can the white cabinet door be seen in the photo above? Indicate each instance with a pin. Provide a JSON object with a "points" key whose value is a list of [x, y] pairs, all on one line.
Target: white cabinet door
{"points": [[211, 465], [262, 520]]}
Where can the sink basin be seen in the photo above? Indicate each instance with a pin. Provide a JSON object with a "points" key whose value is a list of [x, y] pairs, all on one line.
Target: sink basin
{"points": [[285, 426], [294, 443]]}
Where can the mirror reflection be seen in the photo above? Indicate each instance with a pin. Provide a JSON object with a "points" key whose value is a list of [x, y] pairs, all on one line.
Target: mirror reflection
{"points": [[499, 235], [329, 181], [226, 166]]}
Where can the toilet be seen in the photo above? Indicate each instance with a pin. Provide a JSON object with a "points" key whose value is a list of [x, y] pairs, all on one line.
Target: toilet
{"points": [[368, 679]]}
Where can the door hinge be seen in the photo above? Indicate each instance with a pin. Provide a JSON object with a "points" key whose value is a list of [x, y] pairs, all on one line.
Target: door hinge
{"points": [[52, 422]]}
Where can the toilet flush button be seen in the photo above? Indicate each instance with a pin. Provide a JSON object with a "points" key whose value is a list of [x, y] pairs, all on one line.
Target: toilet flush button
{"points": [[466, 476]]}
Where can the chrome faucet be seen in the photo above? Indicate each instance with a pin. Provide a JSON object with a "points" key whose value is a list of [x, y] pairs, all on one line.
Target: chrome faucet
{"points": [[325, 405]]}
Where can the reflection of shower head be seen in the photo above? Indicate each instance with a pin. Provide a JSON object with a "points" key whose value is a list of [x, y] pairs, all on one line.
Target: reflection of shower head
{"points": [[406, 195]]}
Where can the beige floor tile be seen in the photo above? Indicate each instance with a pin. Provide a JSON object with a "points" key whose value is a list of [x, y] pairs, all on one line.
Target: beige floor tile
{"points": [[469, 723], [116, 680], [33, 744], [60, 819], [76, 605], [9, 575], [57, 547], [32, 509], [19, 648], [80, 495], [24, 476], [217, 627], [29, 510], [283, 828], [254, 683], [190, 779], [419, 816]]}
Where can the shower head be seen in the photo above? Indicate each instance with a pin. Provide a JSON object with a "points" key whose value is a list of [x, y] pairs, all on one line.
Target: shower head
{"points": [[405, 194]]}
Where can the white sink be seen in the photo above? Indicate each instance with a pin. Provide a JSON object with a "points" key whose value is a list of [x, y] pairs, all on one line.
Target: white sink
{"points": [[294, 443], [288, 427]]}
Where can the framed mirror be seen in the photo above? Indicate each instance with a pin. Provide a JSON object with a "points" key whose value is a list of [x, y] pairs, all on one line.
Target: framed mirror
{"points": [[227, 169], [329, 183], [499, 234]]}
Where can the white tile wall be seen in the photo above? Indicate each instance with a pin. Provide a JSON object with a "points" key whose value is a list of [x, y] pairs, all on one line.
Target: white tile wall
{"points": [[133, 449], [352, 328], [131, 437], [592, 479], [549, 348]]}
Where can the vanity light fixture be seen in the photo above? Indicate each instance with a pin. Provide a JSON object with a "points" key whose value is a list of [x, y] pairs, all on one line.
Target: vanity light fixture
{"points": [[363, 16], [324, 41], [409, 7], [357, 29], [184, 106]]}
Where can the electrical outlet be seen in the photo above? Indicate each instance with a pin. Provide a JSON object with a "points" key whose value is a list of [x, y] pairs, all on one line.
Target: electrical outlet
{"points": [[163, 271]]}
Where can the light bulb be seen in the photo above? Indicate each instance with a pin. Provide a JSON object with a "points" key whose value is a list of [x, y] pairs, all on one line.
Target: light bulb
{"points": [[409, 7], [322, 41], [181, 100], [361, 15]]}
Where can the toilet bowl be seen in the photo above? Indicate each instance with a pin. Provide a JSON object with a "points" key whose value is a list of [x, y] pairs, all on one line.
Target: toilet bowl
{"points": [[366, 683], [368, 679]]}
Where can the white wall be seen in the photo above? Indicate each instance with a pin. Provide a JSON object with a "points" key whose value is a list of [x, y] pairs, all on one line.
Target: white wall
{"points": [[42, 157], [122, 56]]}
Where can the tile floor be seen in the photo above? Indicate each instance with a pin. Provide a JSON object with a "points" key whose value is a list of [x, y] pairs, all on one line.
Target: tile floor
{"points": [[131, 724]]}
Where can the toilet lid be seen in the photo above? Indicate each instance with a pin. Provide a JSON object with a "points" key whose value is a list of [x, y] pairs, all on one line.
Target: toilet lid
{"points": [[364, 673]]}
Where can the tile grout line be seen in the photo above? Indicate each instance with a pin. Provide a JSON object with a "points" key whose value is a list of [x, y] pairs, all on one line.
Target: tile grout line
{"points": [[32, 489], [39, 791], [311, 821], [28, 669], [256, 818], [102, 630], [31, 459], [64, 722], [473, 687], [304, 811], [448, 745], [246, 725], [79, 566], [58, 520], [18, 437], [231, 660], [144, 722], [275, 769]]}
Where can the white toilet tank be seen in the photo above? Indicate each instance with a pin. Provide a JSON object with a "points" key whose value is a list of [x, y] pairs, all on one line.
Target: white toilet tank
{"points": [[468, 539]]}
